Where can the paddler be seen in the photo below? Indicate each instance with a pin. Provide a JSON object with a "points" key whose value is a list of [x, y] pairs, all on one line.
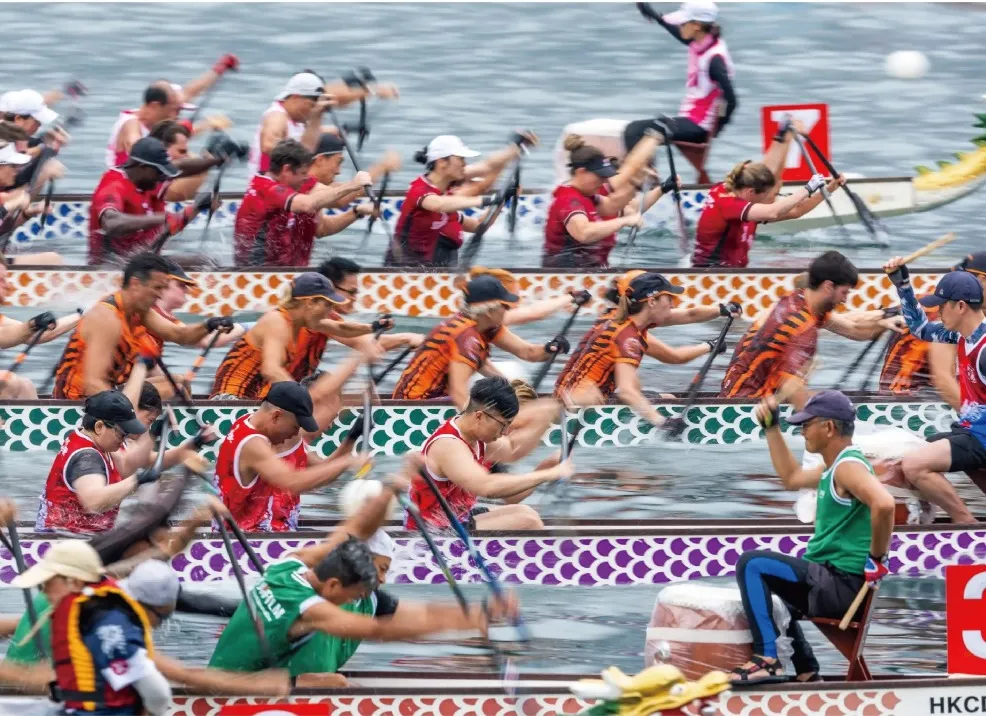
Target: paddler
{"points": [[161, 101], [128, 210], [100, 636], [270, 350], [460, 346], [315, 605], [610, 353], [776, 348], [589, 209], [728, 223], [297, 111], [430, 229], [710, 99], [853, 525], [959, 299], [275, 223], [114, 332], [527, 312], [461, 452], [250, 473], [175, 135], [343, 273]]}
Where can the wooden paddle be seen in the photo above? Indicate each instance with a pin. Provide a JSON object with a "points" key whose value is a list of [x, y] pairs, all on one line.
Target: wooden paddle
{"points": [[200, 358], [860, 597], [929, 247], [825, 194], [580, 301], [22, 356]]}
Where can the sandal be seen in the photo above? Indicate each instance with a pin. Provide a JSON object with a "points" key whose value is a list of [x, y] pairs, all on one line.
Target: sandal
{"points": [[772, 669], [813, 676]]}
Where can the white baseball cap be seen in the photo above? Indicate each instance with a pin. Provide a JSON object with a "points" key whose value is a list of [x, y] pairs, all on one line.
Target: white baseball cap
{"points": [[381, 544], [10, 155], [448, 145], [694, 10], [153, 583], [66, 558], [5, 100], [305, 84], [31, 103]]}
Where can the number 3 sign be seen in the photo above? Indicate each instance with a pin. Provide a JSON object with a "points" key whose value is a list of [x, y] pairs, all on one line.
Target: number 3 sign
{"points": [[815, 118], [965, 618]]}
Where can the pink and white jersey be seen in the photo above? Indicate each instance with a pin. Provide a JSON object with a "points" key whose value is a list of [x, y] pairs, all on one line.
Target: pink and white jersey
{"points": [[702, 95], [260, 162], [115, 156]]}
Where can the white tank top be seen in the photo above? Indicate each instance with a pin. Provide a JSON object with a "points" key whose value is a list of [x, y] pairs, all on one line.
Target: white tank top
{"points": [[260, 161], [115, 156]]}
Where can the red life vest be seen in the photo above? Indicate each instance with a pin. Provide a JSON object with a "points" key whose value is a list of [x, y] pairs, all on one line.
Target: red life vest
{"points": [[460, 500], [287, 505], [252, 503], [59, 507], [75, 674], [972, 384]]}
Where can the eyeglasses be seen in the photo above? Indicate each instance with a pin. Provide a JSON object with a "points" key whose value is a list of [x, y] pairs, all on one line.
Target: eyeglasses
{"points": [[116, 429], [503, 425], [351, 292]]}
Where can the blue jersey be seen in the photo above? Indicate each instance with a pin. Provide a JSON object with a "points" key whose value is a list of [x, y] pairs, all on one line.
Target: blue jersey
{"points": [[119, 657]]}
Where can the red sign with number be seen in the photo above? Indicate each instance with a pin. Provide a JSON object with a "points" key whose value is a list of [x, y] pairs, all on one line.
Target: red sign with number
{"points": [[965, 618], [285, 709], [815, 118]]}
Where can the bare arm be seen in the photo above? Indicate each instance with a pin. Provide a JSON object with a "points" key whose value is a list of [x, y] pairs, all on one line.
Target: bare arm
{"points": [[458, 383], [493, 163], [184, 334], [325, 196], [184, 188], [13, 333], [449, 203], [258, 457], [636, 160], [785, 464], [96, 496], [426, 619], [536, 311], [270, 682], [62, 326], [200, 84], [859, 328], [129, 134], [628, 390], [344, 329], [524, 438], [115, 223], [590, 232], [675, 355], [855, 477], [941, 364], [454, 460], [512, 343], [693, 314]]}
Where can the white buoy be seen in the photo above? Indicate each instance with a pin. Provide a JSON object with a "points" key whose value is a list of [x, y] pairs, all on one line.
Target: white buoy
{"points": [[356, 493], [907, 64]]}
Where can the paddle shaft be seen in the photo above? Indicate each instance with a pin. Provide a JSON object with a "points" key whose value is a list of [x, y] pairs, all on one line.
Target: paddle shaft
{"points": [[179, 391], [928, 248], [514, 201], [644, 188], [869, 219], [200, 358], [851, 611], [877, 363], [412, 509], [546, 366], [471, 249], [393, 364], [825, 195], [43, 219], [373, 218], [683, 247], [851, 368], [215, 195], [238, 573], [32, 614], [696, 384], [22, 356], [460, 530]]}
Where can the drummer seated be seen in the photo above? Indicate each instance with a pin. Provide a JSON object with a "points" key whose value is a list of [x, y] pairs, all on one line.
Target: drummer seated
{"points": [[853, 525]]}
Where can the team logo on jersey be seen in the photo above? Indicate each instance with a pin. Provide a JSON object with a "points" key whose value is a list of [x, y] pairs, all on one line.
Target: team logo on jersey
{"points": [[634, 348]]}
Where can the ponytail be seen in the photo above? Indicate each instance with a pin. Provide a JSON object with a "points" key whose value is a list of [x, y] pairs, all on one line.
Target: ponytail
{"points": [[750, 175], [622, 309], [421, 156], [579, 153]]}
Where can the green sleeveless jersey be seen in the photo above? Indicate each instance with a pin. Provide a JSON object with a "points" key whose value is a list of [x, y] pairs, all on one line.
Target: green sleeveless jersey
{"points": [[842, 524], [28, 653], [280, 598]]}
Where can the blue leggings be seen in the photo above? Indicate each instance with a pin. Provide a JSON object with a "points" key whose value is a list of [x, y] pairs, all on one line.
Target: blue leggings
{"points": [[761, 574]]}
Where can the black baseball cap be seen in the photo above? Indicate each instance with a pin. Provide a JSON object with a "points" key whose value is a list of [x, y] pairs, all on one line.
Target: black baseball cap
{"points": [[973, 263], [830, 404], [955, 286], [152, 152], [488, 288], [315, 285], [329, 143], [176, 272], [651, 284], [290, 396], [112, 406], [599, 165]]}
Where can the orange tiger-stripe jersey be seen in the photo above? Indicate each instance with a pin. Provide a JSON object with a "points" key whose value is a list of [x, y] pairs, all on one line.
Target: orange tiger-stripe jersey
{"points": [[455, 340], [240, 372], [905, 367], [607, 343]]}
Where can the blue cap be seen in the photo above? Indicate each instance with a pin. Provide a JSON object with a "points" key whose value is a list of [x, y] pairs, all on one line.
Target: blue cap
{"points": [[830, 404], [955, 286]]}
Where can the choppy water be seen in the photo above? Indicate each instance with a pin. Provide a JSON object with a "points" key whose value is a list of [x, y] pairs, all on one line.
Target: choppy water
{"points": [[481, 70]]}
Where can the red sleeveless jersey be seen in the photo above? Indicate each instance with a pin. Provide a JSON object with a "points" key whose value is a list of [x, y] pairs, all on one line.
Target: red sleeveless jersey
{"points": [[287, 506], [972, 383], [250, 503], [460, 500], [59, 507]]}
